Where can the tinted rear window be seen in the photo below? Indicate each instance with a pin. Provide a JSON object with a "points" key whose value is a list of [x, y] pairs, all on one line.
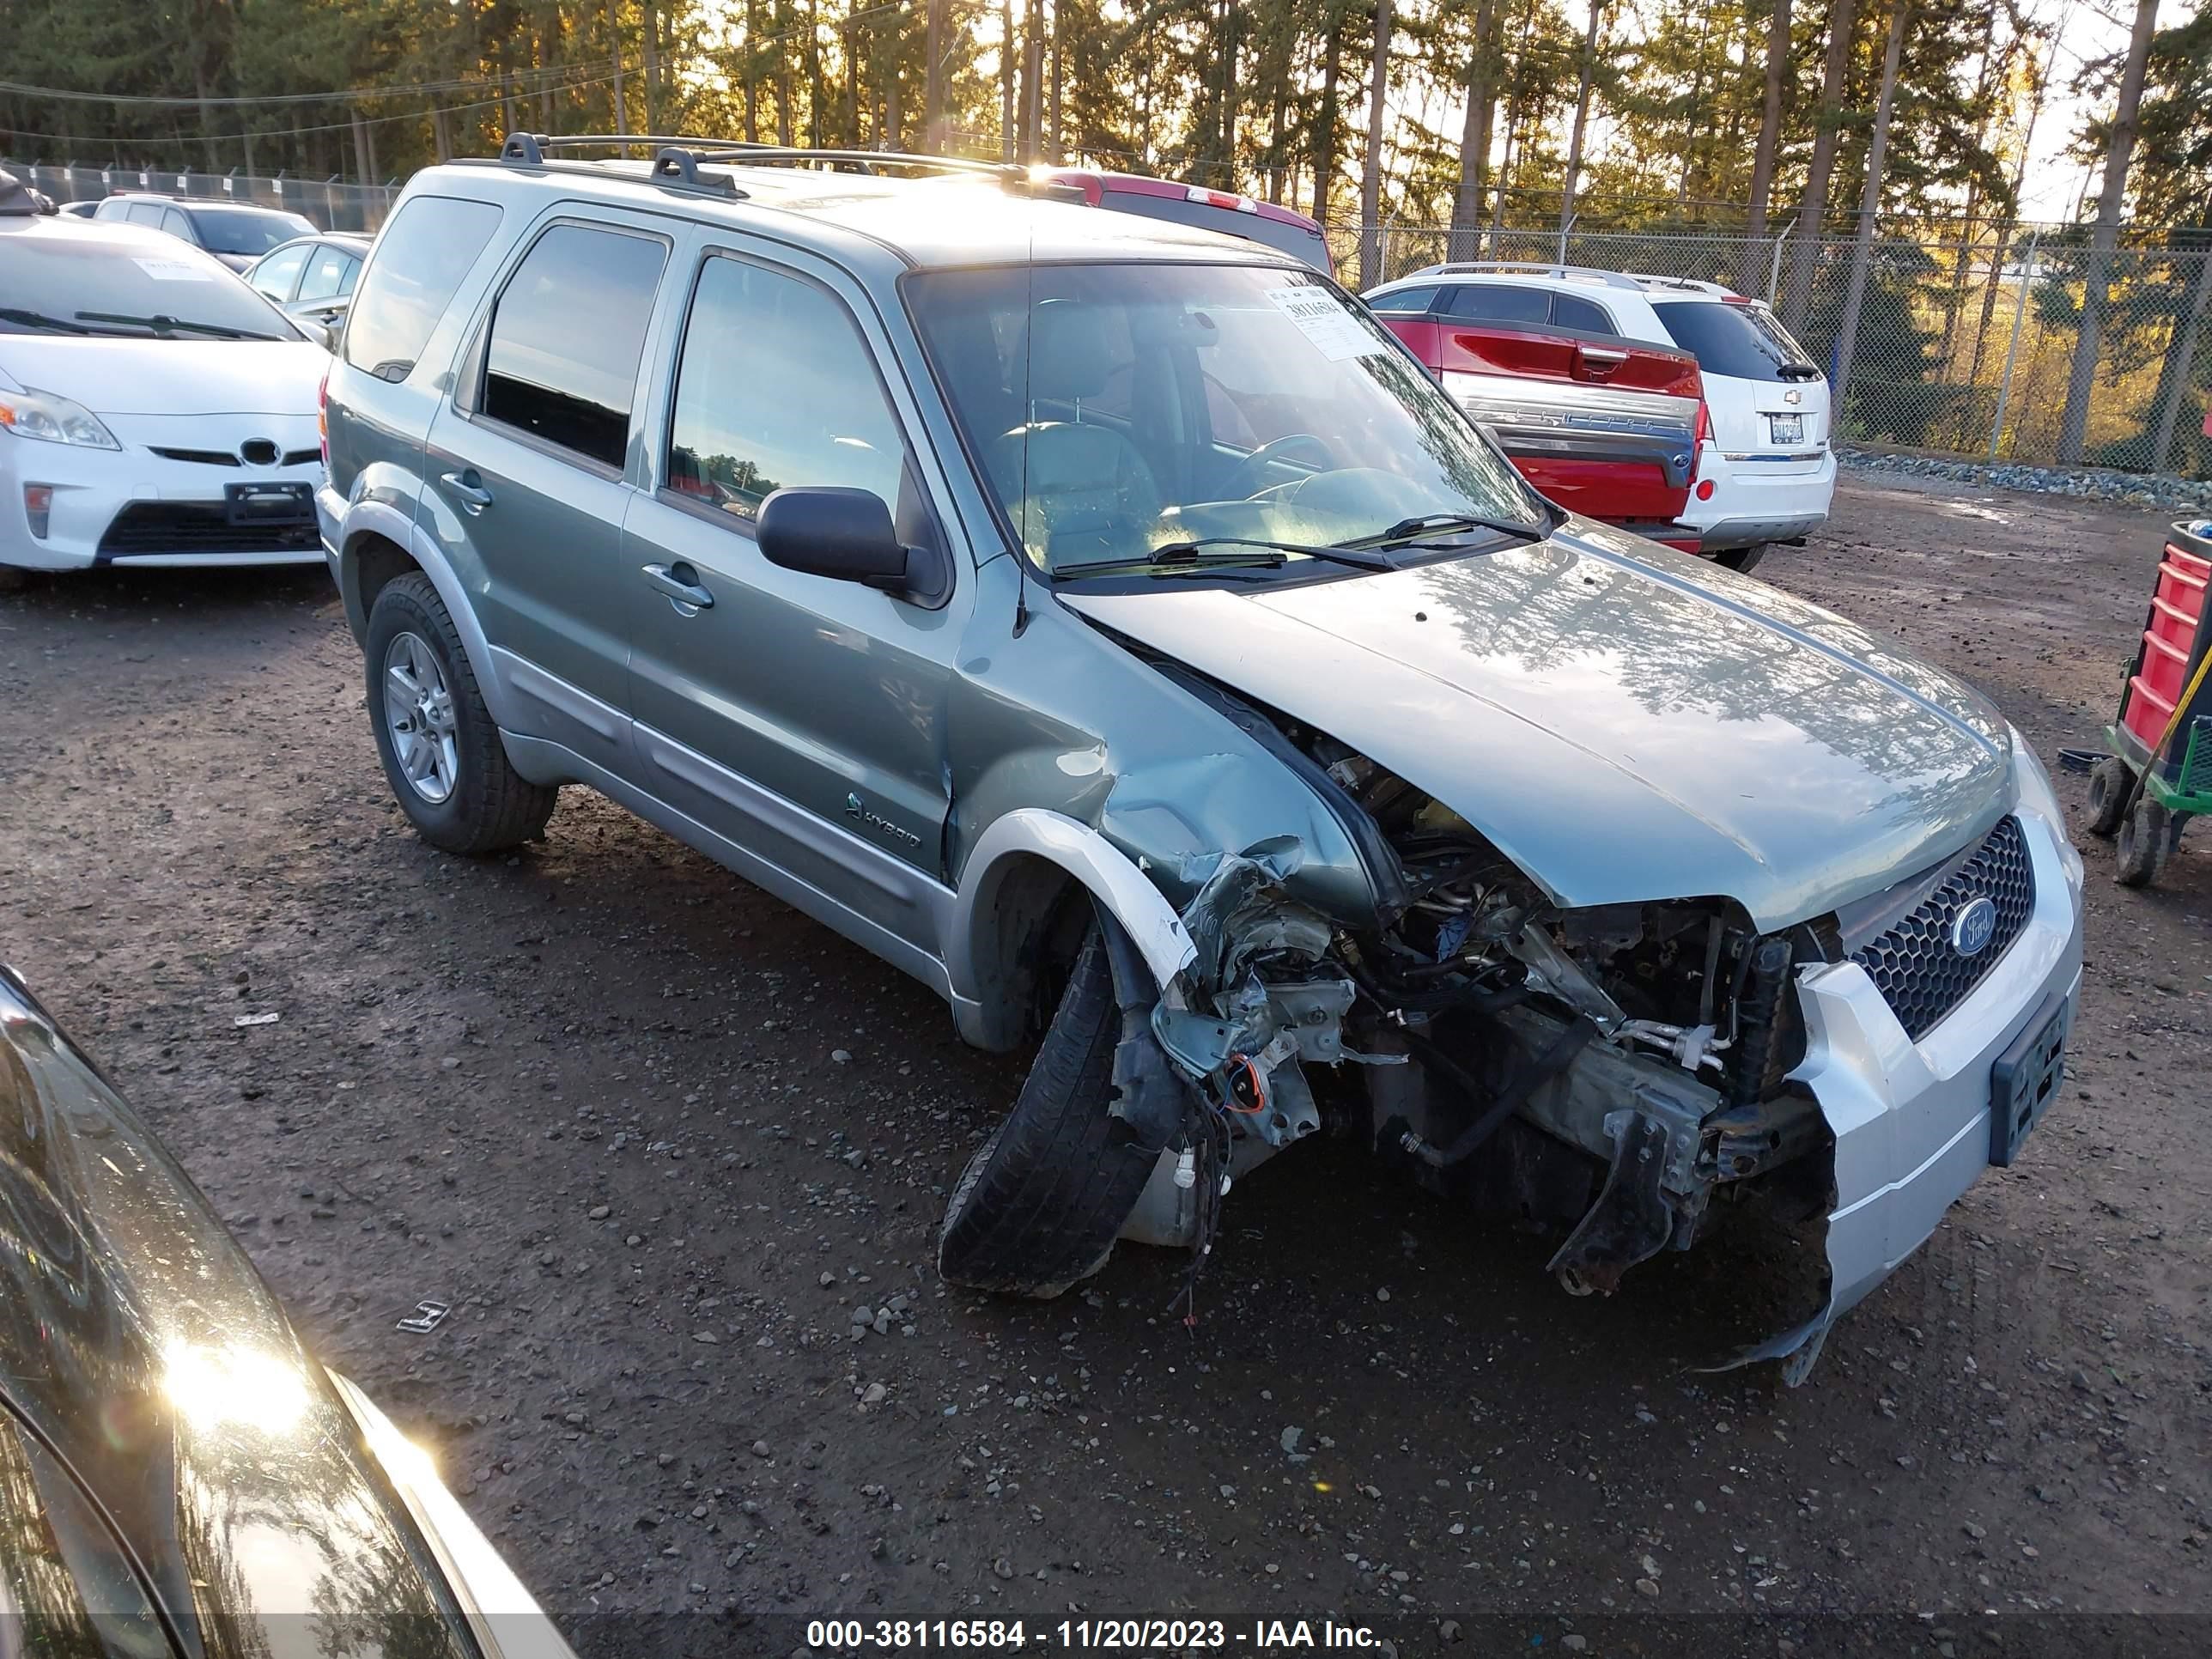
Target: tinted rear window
{"points": [[249, 231], [567, 335], [1294, 239], [427, 249], [1500, 302], [1738, 341]]}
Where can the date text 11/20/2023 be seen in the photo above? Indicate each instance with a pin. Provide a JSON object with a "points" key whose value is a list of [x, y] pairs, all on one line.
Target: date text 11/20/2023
{"points": [[1170, 1635]]}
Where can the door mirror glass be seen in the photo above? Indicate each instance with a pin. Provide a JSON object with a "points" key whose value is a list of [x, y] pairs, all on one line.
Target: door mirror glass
{"points": [[830, 531]]}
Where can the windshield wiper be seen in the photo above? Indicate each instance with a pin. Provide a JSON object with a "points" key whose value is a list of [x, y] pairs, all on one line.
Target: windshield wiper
{"points": [[1415, 532], [39, 319], [1181, 558], [158, 322]]}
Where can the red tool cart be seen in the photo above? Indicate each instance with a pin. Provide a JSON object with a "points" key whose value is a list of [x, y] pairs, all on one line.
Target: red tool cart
{"points": [[2158, 774]]}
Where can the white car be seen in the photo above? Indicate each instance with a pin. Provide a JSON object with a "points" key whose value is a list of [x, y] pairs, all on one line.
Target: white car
{"points": [[1765, 470], [153, 409]]}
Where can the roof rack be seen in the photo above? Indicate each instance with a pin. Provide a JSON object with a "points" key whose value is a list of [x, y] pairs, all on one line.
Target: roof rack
{"points": [[1689, 284], [1526, 268], [676, 160]]}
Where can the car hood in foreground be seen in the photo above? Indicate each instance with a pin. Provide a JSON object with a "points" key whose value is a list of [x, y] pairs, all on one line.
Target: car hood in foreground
{"points": [[141, 1354], [1626, 724], [171, 377]]}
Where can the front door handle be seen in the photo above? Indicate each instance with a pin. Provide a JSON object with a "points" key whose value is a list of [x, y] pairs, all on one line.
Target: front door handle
{"points": [[681, 583], [468, 489]]}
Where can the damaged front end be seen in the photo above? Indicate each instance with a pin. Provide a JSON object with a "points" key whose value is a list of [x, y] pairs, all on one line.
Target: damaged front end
{"points": [[1615, 1075]]}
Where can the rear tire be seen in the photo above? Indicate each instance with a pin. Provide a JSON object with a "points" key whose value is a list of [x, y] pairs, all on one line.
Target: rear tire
{"points": [[1743, 558], [13, 581], [1040, 1205], [2109, 783], [478, 802], [2144, 837]]}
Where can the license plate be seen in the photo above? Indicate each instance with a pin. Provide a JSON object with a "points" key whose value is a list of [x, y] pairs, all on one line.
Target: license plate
{"points": [[1787, 428], [267, 503], [2025, 1079]]}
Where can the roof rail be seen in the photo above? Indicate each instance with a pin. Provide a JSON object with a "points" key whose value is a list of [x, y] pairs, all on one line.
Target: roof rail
{"points": [[1526, 268], [528, 149], [1692, 284]]}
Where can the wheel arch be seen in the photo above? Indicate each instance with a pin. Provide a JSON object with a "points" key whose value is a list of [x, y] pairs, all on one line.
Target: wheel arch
{"points": [[379, 542], [1023, 870]]}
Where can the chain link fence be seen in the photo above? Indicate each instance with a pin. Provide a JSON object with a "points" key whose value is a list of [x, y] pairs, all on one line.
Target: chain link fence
{"points": [[1963, 346], [1960, 344], [331, 203]]}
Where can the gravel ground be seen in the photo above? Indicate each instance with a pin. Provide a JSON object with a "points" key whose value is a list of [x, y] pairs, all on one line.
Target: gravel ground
{"points": [[666, 1145]]}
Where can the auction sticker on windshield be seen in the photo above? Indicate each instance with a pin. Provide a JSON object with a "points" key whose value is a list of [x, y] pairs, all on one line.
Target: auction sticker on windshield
{"points": [[1333, 330], [172, 270]]}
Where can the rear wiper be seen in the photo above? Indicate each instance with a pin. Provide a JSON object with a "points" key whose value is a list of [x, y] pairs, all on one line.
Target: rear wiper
{"points": [[1414, 532], [1179, 558], [158, 322], [39, 319]]}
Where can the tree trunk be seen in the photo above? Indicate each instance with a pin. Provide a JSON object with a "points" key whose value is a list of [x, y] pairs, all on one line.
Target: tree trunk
{"points": [[1813, 206], [1762, 159], [2080, 382], [2180, 365], [1053, 151], [1006, 41], [1847, 333], [753, 72], [1032, 122], [1370, 176], [1504, 171], [1325, 120], [364, 158], [652, 66], [932, 81], [1582, 118], [1474, 138], [614, 42]]}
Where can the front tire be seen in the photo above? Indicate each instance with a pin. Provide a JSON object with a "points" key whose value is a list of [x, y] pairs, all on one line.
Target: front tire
{"points": [[1040, 1205], [2109, 783], [438, 741], [2144, 837]]}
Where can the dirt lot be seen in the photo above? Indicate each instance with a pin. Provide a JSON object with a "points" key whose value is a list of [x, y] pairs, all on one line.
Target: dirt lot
{"points": [[657, 1137]]}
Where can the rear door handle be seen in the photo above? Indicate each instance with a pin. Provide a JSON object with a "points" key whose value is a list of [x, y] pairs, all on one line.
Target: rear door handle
{"points": [[468, 489], [680, 582]]}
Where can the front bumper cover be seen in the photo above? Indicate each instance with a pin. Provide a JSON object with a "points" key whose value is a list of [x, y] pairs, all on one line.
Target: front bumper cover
{"points": [[1911, 1120]]}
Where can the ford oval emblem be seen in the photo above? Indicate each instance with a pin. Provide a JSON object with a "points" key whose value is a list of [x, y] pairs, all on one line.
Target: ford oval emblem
{"points": [[1973, 926]]}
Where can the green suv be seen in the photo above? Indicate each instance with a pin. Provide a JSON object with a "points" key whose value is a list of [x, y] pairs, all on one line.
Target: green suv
{"points": [[1113, 626]]}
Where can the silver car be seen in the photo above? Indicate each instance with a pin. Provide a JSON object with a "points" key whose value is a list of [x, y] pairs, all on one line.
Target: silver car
{"points": [[1113, 626]]}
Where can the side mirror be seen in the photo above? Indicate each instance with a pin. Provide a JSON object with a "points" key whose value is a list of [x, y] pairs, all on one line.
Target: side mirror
{"points": [[323, 334], [827, 530]]}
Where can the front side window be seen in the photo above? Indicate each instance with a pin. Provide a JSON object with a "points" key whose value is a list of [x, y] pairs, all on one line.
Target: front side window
{"points": [[1404, 302], [275, 275], [562, 359], [1121, 411], [1584, 315], [326, 276], [775, 386], [424, 252]]}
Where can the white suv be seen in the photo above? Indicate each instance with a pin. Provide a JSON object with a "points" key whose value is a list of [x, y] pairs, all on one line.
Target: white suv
{"points": [[1765, 472]]}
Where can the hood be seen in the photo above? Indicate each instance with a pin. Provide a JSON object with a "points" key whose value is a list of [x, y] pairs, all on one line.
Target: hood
{"points": [[145, 1368], [1626, 723], [170, 377]]}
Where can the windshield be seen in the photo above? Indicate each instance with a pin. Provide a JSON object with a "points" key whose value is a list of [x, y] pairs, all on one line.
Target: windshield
{"points": [[1741, 341], [251, 231], [1122, 410], [84, 282]]}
